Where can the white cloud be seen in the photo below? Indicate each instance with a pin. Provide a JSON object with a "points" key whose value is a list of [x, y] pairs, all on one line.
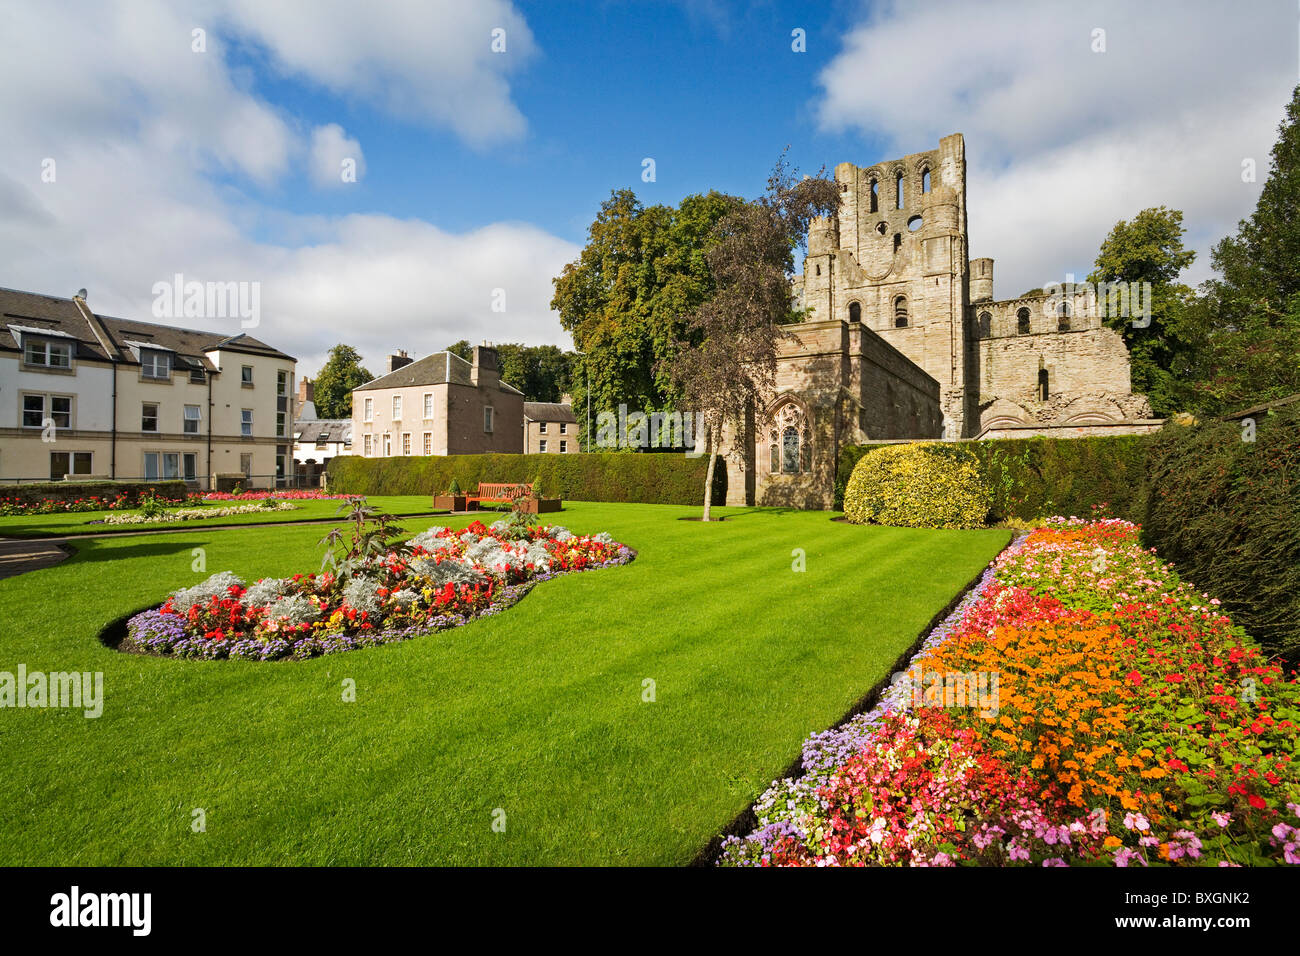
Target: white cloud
{"points": [[153, 146], [427, 61], [333, 155], [1061, 141]]}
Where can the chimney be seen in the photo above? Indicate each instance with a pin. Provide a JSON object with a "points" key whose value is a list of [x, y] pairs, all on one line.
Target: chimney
{"points": [[485, 370], [306, 391], [400, 360]]}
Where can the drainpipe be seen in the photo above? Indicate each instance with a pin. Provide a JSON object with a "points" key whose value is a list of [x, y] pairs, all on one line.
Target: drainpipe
{"points": [[112, 454], [210, 485]]}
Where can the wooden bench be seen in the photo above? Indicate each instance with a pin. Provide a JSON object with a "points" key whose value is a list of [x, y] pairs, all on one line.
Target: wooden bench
{"points": [[499, 493]]}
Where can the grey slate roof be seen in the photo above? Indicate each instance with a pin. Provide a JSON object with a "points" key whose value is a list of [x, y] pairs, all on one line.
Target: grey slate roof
{"points": [[59, 315], [440, 368], [309, 430], [549, 412]]}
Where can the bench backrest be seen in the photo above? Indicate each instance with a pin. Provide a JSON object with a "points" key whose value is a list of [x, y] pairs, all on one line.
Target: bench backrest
{"points": [[502, 489]]}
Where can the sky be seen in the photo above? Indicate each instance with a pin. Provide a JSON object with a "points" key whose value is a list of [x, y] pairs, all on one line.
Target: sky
{"points": [[144, 140]]}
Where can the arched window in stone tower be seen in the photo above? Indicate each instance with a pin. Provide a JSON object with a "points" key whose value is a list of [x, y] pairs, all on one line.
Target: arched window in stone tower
{"points": [[925, 180], [790, 441], [875, 196], [855, 312], [1043, 393], [1022, 321], [898, 189], [1063, 317], [986, 325], [900, 312]]}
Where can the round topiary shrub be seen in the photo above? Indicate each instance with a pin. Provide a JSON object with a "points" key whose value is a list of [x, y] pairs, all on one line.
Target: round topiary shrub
{"points": [[922, 485]]}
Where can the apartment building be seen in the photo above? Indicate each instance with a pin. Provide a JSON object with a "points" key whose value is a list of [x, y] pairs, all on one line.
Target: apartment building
{"points": [[438, 405], [89, 395], [550, 428]]}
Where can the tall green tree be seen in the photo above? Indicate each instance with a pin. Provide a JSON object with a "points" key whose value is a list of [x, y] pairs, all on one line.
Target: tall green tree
{"points": [[726, 363], [1149, 249], [1250, 317], [542, 372], [341, 373], [626, 298]]}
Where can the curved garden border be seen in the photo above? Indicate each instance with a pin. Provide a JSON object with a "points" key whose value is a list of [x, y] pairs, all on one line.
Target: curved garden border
{"points": [[123, 634]]}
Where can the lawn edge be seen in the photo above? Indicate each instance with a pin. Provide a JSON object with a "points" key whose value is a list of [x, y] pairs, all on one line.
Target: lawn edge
{"points": [[746, 820]]}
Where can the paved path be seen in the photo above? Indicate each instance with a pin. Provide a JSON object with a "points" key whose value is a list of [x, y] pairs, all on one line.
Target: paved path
{"points": [[19, 557]]}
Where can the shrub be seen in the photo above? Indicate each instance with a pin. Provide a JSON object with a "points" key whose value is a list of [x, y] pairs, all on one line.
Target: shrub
{"points": [[921, 485], [1225, 512], [454, 487]]}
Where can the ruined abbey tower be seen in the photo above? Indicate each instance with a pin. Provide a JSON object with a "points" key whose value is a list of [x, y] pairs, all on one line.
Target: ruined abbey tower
{"points": [[903, 339]]}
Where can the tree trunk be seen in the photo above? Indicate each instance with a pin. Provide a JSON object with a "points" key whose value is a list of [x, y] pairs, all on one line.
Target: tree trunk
{"points": [[708, 473]]}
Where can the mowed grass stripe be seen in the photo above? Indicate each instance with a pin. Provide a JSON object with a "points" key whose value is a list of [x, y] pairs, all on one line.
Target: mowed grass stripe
{"points": [[536, 711]]}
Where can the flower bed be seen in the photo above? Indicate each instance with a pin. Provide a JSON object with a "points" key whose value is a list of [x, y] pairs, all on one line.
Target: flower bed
{"points": [[293, 494], [54, 506], [1082, 704], [194, 514], [441, 578]]}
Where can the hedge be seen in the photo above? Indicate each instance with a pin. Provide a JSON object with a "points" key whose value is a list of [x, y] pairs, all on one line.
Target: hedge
{"points": [[1032, 478], [71, 490], [1226, 512], [664, 479]]}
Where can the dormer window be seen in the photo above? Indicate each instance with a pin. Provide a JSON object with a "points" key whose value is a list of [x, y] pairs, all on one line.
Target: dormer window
{"points": [[155, 364], [47, 353]]}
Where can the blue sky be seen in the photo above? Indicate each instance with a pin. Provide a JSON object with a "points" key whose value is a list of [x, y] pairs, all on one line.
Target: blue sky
{"points": [[481, 171]]}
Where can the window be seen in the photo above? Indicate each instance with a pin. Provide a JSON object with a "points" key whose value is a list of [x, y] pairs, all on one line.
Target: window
{"points": [[198, 376], [322, 441], [68, 463], [246, 375], [428, 405], [855, 312], [541, 446], [246, 422], [47, 354], [986, 325], [370, 410], [541, 427], [33, 411], [282, 416], [192, 416], [166, 465], [61, 411], [900, 312], [898, 241], [149, 417], [564, 428], [1043, 392], [925, 181], [155, 364], [875, 196], [365, 445], [397, 408], [282, 381], [406, 443], [388, 445], [1022, 321], [246, 465], [790, 450], [281, 463], [487, 419], [428, 443], [774, 464], [898, 189], [564, 447], [1063, 317], [191, 462]]}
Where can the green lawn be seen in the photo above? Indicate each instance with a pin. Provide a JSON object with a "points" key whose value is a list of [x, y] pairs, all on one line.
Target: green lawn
{"points": [[57, 525], [537, 711]]}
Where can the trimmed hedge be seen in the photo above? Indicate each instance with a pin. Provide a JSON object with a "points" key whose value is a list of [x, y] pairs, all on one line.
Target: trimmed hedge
{"points": [[662, 479], [922, 485], [1226, 512], [1032, 478], [71, 490]]}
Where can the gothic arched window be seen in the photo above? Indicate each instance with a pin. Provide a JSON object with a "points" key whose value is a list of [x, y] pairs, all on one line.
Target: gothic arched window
{"points": [[900, 312], [1043, 393], [855, 312], [1063, 317], [925, 181], [790, 450], [986, 325], [898, 189], [875, 196], [1022, 321]]}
